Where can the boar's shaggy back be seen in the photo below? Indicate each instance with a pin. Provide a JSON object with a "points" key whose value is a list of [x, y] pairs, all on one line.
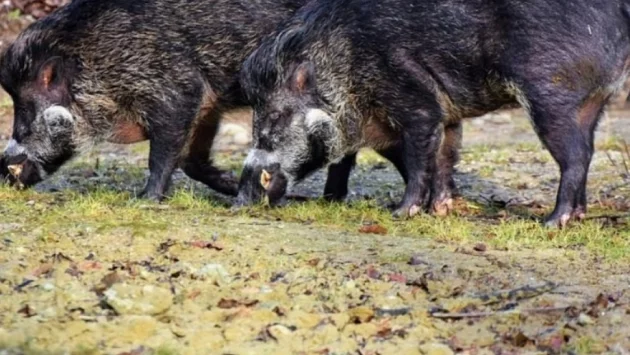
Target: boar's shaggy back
{"points": [[129, 70]]}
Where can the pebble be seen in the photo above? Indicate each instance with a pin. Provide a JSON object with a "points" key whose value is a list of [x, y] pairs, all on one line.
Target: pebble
{"points": [[138, 300], [583, 320], [48, 286], [279, 331], [213, 272]]}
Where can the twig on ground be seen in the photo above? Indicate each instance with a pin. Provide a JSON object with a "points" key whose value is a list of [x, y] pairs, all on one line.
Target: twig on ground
{"points": [[500, 313], [626, 157]]}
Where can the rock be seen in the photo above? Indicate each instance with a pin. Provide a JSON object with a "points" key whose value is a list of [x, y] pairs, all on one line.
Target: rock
{"points": [[417, 260], [584, 320], [138, 300], [213, 273], [436, 349], [480, 247], [279, 331]]}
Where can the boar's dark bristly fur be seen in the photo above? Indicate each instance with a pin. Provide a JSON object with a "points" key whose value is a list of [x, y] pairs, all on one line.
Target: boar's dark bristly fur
{"points": [[346, 74], [128, 70]]}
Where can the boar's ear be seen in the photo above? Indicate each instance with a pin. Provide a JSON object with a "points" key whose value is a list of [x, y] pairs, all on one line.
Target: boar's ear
{"points": [[304, 77], [49, 76]]}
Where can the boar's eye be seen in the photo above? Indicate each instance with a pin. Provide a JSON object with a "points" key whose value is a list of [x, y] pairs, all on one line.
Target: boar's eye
{"points": [[280, 119], [273, 117]]}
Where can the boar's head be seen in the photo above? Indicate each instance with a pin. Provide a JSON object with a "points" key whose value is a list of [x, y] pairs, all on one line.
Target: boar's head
{"points": [[38, 81], [293, 133]]}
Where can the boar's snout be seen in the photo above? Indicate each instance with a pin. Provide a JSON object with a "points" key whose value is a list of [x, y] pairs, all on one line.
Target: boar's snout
{"points": [[250, 191], [261, 177], [19, 171], [276, 188]]}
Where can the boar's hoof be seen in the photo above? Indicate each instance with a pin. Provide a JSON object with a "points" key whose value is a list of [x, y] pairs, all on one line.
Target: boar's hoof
{"points": [[579, 214], [443, 207], [407, 211], [151, 195], [559, 221]]}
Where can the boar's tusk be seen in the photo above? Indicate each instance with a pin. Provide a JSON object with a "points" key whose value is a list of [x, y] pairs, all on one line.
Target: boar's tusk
{"points": [[15, 170], [265, 179]]}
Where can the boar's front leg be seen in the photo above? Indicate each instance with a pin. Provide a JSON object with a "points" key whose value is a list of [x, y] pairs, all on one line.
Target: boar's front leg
{"points": [[197, 163], [169, 125]]}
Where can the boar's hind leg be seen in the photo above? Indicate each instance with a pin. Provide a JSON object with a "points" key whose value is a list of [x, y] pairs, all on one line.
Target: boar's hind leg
{"points": [[197, 164], [588, 116], [566, 129], [448, 156], [421, 135]]}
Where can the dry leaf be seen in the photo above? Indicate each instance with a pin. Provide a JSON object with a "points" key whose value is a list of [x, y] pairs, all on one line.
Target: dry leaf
{"points": [[43, 270], [373, 229], [232, 303], [206, 245]]}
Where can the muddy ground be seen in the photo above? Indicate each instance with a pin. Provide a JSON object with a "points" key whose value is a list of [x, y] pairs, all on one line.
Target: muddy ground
{"points": [[85, 268]]}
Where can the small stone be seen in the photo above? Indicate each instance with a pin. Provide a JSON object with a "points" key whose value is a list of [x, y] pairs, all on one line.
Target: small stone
{"points": [[138, 300], [213, 272], [48, 286], [279, 331], [584, 320], [417, 260], [177, 330], [480, 247], [436, 349]]}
